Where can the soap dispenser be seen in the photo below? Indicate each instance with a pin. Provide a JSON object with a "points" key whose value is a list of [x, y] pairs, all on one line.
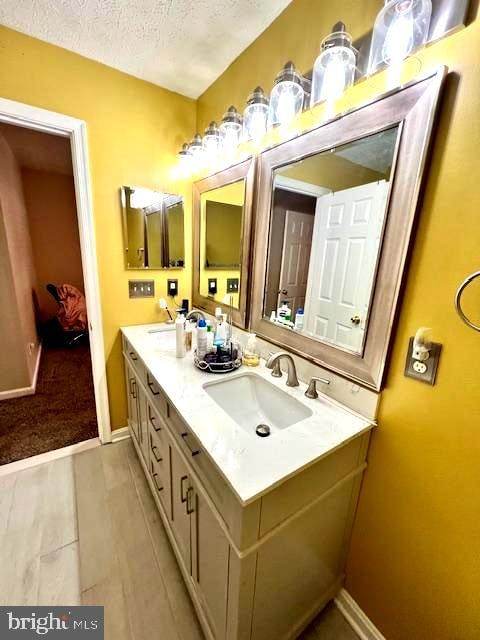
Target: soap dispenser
{"points": [[251, 355]]}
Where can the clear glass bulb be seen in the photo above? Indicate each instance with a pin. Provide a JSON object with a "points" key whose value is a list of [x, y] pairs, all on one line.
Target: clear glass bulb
{"points": [[286, 99], [255, 122], [398, 42], [334, 69], [211, 141], [285, 102], [231, 134], [197, 152], [400, 28], [185, 160]]}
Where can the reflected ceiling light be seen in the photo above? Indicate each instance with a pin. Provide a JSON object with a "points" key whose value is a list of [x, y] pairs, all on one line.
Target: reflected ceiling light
{"points": [[334, 69], [231, 130], [255, 116], [400, 28], [211, 140], [286, 99]]}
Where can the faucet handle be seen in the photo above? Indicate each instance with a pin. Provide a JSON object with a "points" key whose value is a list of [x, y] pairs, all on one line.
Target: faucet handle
{"points": [[311, 392], [276, 371]]}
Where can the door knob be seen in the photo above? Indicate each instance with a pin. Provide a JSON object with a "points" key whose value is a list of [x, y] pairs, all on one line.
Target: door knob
{"points": [[355, 320], [284, 292]]}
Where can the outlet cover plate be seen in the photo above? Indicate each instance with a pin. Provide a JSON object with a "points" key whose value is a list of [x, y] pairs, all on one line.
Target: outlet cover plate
{"points": [[141, 288], [432, 364], [172, 287], [212, 286]]}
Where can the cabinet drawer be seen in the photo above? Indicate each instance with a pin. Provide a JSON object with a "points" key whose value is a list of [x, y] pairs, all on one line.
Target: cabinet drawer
{"points": [[156, 395], [133, 358], [156, 424]]}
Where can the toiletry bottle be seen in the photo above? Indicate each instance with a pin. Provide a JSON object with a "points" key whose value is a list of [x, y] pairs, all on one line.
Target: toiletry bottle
{"points": [[251, 355], [299, 319], [284, 312], [220, 334], [180, 334], [210, 336], [201, 338], [188, 335]]}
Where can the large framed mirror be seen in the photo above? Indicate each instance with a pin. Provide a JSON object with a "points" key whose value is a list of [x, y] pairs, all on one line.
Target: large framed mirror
{"points": [[222, 218], [153, 229], [335, 212]]}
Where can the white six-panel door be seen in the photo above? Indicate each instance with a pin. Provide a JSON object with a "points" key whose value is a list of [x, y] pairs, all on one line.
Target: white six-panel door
{"points": [[346, 238]]}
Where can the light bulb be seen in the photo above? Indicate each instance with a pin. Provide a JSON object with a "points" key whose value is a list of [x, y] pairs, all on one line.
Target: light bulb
{"points": [[255, 116], [197, 152], [211, 141], [230, 130], [334, 69], [286, 99], [185, 159], [399, 38], [400, 28]]}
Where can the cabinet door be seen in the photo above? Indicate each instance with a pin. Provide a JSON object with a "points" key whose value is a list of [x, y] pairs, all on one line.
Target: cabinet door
{"points": [[132, 400], [210, 559], [143, 423], [181, 486]]}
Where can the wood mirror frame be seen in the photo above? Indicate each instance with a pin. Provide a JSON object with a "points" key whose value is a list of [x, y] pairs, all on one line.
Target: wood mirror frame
{"points": [[241, 171], [413, 108]]}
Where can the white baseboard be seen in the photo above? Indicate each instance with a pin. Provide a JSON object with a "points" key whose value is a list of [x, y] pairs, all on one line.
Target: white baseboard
{"points": [[357, 618], [120, 434], [48, 456], [25, 391]]}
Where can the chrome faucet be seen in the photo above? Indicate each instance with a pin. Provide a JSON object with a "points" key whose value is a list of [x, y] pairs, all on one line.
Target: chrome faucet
{"points": [[311, 392], [195, 314], [273, 363]]}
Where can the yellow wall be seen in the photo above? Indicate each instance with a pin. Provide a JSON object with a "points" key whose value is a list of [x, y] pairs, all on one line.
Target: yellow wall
{"points": [[134, 130], [414, 562]]}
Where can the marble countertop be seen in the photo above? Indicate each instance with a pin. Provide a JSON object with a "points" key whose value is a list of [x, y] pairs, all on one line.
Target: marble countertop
{"points": [[252, 466]]}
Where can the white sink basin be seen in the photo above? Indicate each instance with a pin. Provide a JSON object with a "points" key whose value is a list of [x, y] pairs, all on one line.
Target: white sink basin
{"points": [[252, 401]]}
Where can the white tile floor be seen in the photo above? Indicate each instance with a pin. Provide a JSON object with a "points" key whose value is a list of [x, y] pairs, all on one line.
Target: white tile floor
{"points": [[84, 530]]}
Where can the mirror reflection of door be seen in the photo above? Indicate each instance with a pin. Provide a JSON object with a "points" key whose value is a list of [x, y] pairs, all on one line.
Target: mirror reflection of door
{"points": [[345, 244], [327, 220]]}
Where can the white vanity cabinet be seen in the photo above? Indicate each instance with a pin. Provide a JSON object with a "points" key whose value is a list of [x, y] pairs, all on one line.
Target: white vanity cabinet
{"points": [[255, 571]]}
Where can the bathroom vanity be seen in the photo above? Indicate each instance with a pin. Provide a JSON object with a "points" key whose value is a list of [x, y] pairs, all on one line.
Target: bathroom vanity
{"points": [[260, 526]]}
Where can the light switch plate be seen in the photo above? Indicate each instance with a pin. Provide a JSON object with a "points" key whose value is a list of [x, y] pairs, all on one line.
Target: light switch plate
{"points": [[233, 284], [428, 376], [141, 288]]}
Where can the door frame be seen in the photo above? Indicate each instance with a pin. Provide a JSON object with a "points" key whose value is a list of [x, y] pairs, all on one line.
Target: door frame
{"points": [[30, 117]]}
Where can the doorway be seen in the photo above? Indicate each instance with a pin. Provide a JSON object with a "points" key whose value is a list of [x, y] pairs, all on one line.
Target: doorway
{"points": [[62, 397]]}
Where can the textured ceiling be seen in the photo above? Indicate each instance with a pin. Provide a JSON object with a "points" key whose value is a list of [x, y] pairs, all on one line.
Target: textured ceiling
{"points": [[183, 45], [37, 150]]}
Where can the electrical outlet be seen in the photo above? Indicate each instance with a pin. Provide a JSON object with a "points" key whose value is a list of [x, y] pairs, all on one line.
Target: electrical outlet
{"points": [[141, 288], [212, 286], [172, 287], [233, 284], [423, 370]]}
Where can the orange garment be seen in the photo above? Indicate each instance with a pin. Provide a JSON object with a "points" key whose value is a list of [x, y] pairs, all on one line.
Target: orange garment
{"points": [[73, 308]]}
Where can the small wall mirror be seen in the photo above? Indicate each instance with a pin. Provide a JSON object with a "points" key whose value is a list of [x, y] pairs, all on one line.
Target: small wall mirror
{"points": [[335, 212], [222, 206], [327, 221], [153, 229]]}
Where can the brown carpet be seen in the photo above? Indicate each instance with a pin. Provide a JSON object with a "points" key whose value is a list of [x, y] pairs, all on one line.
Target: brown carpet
{"points": [[62, 411]]}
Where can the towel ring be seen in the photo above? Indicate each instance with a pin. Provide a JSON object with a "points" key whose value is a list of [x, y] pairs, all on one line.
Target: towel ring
{"points": [[458, 300]]}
